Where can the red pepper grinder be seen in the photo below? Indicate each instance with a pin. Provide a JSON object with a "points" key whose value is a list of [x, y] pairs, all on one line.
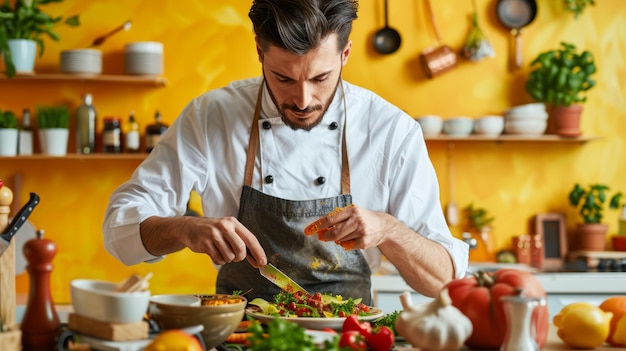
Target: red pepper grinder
{"points": [[40, 324]]}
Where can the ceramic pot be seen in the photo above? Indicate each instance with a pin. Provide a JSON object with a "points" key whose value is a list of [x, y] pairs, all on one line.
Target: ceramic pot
{"points": [[567, 120], [23, 53], [592, 236], [53, 141], [8, 141]]}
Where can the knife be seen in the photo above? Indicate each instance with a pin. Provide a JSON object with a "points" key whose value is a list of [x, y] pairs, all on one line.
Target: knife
{"points": [[280, 279], [18, 220]]}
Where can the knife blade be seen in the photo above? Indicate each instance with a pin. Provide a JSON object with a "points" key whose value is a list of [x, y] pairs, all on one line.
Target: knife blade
{"points": [[280, 279], [18, 220]]}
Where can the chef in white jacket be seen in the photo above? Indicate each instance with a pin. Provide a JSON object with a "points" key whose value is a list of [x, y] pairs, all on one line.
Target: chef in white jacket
{"points": [[296, 147]]}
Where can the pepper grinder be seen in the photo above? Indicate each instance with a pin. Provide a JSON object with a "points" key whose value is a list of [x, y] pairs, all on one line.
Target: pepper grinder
{"points": [[518, 310], [40, 324]]}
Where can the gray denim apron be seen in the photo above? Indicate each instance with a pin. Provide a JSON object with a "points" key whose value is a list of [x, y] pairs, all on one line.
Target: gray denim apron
{"points": [[279, 224]]}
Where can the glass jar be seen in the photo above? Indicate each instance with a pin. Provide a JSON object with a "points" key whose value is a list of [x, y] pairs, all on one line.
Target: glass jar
{"points": [[112, 135]]}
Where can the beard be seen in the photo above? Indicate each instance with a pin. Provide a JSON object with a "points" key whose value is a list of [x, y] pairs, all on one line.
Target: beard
{"points": [[297, 124]]}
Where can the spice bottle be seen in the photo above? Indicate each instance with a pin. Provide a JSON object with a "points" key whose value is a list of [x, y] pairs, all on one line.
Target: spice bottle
{"points": [[132, 138], [86, 126], [25, 146], [154, 131], [112, 135]]}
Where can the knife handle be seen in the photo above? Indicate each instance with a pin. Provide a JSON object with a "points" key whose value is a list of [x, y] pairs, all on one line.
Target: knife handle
{"points": [[21, 217]]}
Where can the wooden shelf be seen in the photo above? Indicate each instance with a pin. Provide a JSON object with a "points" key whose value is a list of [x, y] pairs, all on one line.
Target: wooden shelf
{"points": [[97, 156], [155, 81], [545, 138]]}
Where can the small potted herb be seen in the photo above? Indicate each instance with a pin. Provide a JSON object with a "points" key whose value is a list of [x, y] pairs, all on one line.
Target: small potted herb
{"points": [[8, 133], [591, 202], [53, 122], [23, 25], [479, 221], [561, 78]]}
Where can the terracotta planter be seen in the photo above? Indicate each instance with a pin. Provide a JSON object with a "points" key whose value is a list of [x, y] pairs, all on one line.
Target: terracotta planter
{"points": [[567, 120], [592, 236]]}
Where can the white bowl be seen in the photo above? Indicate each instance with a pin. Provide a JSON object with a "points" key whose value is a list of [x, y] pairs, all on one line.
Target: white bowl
{"points": [[458, 126], [81, 61], [431, 125], [528, 108], [525, 127], [489, 125], [143, 58], [176, 299], [96, 299]]}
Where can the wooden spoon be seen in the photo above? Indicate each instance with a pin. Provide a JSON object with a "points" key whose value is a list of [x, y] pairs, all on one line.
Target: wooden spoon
{"points": [[133, 283]]}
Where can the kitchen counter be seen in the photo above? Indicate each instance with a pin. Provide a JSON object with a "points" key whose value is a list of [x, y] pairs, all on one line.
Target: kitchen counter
{"points": [[562, 289]]}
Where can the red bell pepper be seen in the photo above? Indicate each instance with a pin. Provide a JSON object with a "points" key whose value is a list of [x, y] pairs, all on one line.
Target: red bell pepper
{"points": [[381, 339]]}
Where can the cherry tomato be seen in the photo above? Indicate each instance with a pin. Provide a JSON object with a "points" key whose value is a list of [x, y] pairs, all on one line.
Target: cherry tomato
{"points": [[381, 339], [353, 340]]}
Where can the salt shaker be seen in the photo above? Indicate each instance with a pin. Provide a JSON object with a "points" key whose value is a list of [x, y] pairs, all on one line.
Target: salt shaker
{"points": [[518, 310], [40, 326]]}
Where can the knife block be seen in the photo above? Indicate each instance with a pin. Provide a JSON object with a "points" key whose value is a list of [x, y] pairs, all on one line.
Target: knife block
{"points": [[9, 340]]}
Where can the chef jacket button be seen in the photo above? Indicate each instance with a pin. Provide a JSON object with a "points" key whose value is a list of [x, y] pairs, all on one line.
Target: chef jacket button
{"points": [[333, 126], [269, 179], [267, 125], [321, 180]]}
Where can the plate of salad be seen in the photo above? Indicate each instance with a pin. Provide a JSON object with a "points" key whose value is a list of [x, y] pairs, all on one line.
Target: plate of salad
{"points": [[318, 311]]}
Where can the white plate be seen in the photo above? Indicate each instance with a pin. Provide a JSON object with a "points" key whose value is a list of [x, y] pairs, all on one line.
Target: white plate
{"points": [[313, 322], [320, 336]]}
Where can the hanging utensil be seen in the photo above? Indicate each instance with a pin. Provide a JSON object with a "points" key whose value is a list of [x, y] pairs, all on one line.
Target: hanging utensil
{"points": [[101, 39], [515, 15], [387, 40], [440, 59]]}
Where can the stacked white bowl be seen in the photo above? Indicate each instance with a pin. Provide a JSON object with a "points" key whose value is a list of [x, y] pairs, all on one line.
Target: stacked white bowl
{"points": [[458, 126], [431, 125], [143, 58], [490, 126], [528, 119], [81, 61]]}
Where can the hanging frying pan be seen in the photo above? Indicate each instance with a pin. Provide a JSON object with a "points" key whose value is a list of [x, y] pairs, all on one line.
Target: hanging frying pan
{"points": [[387, 40], [515, 15]]}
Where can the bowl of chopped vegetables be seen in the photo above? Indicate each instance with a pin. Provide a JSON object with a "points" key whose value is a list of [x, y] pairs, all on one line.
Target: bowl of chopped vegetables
{"points": [[220, 314]]}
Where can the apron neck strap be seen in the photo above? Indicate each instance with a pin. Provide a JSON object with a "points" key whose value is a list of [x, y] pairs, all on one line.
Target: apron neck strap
{"points": [[253, 143]]}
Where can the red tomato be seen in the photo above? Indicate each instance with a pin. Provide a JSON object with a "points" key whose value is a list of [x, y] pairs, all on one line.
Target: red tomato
{"points": [[381, 339], [353, 340], [478, 297], [352, 323]]}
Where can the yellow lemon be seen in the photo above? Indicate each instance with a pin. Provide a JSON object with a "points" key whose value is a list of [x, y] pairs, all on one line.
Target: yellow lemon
{"points": [[583, 325], [174, 340]]}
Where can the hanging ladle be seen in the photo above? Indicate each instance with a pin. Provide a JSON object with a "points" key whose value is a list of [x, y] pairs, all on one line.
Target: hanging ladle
{"points": [[387, 40], [101, 39]]}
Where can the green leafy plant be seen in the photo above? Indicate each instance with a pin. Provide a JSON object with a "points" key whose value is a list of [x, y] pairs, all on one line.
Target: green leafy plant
{"points": [[577, 6], [53, 117], [591, 201], [25, 20], [8, 120], [478, 218], [562, 76]]}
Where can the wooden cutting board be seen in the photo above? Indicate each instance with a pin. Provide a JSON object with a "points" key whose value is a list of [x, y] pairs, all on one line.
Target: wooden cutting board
{"points": [[108, 331]]}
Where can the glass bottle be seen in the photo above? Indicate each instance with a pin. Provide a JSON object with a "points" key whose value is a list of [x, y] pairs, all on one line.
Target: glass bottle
{"points": [[112, 135], [132, 138], [86, 126], [154, 131], [25, 146]]}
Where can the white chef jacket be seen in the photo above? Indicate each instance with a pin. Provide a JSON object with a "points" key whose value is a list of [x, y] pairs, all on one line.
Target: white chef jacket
{"points": [[205, 150]]}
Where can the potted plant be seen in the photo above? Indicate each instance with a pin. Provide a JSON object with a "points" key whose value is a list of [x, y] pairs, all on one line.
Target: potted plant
{"points": [[8, 133], [578, 6], [591, 203], [22, 25], [53, 122], [479, 222], [561, 78]]}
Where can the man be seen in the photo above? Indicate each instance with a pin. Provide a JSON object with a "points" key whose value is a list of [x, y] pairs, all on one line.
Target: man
{"points": [[297, 147]]}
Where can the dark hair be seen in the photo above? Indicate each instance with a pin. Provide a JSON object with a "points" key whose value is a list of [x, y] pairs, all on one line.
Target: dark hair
{"points": [[300, 25]]}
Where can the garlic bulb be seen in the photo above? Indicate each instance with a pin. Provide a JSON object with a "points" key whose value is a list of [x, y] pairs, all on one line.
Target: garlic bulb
{"points": [[433, 326]]}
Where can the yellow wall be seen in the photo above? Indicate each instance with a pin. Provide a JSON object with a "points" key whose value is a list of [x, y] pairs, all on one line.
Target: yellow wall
{"points": [[209, 43]]}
